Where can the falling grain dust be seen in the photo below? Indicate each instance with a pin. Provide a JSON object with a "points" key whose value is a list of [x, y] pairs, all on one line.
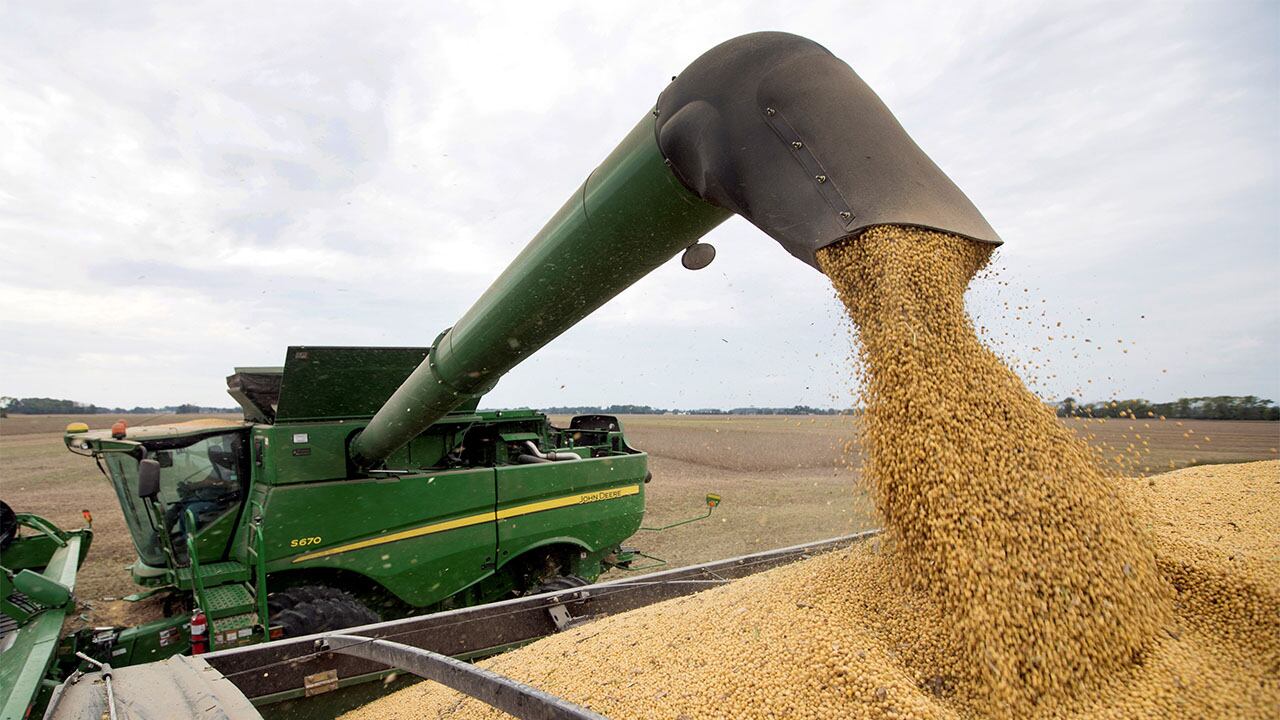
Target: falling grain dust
{"points": [[1015, 577]]}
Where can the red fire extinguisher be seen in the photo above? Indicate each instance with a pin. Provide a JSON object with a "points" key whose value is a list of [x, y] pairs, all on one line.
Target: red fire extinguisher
{"points": [[199, 633]]}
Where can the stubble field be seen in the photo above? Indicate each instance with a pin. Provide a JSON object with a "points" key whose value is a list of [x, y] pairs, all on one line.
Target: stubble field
{"points": [[784, 479]]}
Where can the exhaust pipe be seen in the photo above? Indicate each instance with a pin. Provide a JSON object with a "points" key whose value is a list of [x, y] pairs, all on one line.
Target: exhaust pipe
{"points": [[537, 456], [770, 126]]}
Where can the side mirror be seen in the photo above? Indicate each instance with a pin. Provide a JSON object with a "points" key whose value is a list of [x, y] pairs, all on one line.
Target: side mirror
{"points": [[148, 478]]}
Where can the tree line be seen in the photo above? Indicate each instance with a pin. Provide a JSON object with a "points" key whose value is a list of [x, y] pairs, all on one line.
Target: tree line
{"points": [[650, 410], [55, 406], [1217, 407]]}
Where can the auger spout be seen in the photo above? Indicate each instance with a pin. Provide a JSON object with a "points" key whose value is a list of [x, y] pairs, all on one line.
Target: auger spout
{"points": [[769, 126]]}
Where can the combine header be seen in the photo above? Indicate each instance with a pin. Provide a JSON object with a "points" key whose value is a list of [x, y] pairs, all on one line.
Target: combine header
{"points": [[365, 484], [36, 595]]}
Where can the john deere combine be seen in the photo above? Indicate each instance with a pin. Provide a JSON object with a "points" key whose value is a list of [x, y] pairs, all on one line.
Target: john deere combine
{"points": [[364, 481], [272, 523]]}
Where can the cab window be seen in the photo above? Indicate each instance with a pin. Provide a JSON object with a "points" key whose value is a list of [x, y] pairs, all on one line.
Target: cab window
{"points": [[205, 477]]}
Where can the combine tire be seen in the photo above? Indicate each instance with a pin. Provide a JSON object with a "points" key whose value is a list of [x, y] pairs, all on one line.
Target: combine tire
{"points": [[8, 525], [278, 602], [308, 609]]}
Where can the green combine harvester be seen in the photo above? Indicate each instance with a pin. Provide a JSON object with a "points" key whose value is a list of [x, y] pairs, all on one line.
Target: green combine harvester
{"points": [[269, 525], [363, 484]]}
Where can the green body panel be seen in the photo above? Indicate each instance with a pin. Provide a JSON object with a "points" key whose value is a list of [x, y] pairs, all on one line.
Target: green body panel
{"points": [[593, 524], [334, 383], [305, 452], [300, 452], [312, 518], [212, 541], [426, 537], [33, 552], [28, 659], [152, 642], [629, 217]]}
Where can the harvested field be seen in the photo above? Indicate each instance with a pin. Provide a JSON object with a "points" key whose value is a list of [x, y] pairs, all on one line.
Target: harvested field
{"points": [[784, 479]]}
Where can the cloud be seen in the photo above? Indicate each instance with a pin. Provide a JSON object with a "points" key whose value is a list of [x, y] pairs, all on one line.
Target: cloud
{"points": [[185, 188]]}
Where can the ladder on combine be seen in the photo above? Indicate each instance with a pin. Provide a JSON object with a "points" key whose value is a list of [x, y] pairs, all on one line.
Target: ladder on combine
{"points": [[232, 595]]}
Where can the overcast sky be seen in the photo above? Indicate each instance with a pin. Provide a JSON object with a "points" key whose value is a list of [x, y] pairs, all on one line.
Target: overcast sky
{"points": [[189, 187]]}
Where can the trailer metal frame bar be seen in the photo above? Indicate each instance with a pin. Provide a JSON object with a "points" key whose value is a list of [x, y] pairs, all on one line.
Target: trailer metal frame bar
{"points": [[510, 696]]}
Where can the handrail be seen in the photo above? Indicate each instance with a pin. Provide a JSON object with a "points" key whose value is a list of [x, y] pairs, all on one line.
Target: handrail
{"points": [[257, 547], [197, 580], [497, 691]]}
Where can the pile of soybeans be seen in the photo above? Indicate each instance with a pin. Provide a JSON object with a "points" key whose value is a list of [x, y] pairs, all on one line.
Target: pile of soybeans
{"points": [[1015, 577]]}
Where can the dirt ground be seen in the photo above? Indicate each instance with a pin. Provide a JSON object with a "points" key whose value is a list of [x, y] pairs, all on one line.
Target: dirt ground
{"points": [[787, 480], [784, 480]]}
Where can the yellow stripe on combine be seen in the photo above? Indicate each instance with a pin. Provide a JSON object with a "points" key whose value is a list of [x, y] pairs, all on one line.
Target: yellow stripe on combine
{"points": [[403, 535], [566, 501], [552, 504]]}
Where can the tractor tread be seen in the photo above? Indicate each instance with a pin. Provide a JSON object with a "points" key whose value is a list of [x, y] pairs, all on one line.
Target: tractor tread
{"points": [[316, 609], [8, 525], [278, 602]]}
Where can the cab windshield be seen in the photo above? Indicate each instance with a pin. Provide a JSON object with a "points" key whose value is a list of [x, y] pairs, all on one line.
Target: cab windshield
{"points": [[124, 476], [203, 475]]}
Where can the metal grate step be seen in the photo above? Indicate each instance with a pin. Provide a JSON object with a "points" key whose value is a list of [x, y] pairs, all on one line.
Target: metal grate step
{"points": [[229, 599], [214, 574], [9, 626]]}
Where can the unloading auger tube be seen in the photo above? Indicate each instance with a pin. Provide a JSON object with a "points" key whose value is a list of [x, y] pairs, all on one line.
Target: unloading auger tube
{"points": [[770, 126]]}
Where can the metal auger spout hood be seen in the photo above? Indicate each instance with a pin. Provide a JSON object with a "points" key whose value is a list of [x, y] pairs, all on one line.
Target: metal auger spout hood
{"points": [[769, 126]]}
